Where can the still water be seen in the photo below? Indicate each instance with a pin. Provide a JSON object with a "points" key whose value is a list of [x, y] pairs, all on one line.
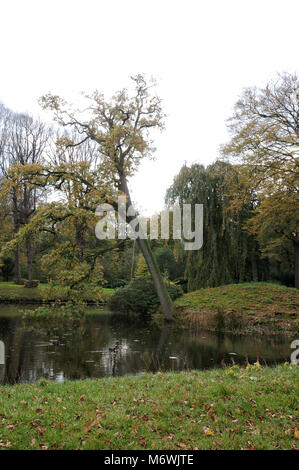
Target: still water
{"points": [[102, 346]]}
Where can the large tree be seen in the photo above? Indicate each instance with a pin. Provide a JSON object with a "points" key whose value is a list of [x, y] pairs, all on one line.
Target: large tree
{"points": [[121, 128], [229, 254], [265, 139], [23, 142]]}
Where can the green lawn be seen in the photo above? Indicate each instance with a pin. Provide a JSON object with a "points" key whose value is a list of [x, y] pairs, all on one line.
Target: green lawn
{"points": [[251, 307], [255, 408], [10, 292]]}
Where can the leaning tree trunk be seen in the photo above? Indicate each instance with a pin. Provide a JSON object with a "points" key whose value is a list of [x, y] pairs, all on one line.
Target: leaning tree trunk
{"points": [[296, 261], [154, 270], [159, 284]]}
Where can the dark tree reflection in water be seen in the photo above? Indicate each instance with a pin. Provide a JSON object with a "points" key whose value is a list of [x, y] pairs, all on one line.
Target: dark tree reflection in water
{"points": [[103, 346]]}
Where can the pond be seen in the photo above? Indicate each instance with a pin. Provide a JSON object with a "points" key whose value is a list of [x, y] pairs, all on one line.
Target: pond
{"points": [[103, 346]]}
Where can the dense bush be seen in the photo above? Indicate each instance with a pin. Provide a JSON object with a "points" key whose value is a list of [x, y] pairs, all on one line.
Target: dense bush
{"points": [[30, 284], [183, 283], [139, 297], [115, 283]]}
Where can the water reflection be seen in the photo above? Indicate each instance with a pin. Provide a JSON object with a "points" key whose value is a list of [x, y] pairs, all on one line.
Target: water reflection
{"points": [[101, 346]]}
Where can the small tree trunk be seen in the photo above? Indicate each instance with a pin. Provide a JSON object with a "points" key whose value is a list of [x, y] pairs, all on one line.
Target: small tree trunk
{"points": [[18, 275], [145, 248], [29, 259], [16, 222], [254, 271], [296, 261], [80, 242]]}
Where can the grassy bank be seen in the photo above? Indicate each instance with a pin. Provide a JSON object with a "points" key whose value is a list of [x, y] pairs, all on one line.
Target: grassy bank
{"points": [[260, 307], [215, 409], [12, 293]]}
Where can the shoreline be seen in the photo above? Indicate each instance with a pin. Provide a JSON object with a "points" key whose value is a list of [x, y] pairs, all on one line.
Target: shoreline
{"points": [[249, 308], [262, 309]]}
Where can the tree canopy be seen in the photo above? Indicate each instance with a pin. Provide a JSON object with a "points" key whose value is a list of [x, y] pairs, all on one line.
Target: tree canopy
{"points": [[265, 140]]}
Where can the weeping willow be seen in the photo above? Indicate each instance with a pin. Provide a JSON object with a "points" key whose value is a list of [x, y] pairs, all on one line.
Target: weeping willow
{"points": [[229, 254]]}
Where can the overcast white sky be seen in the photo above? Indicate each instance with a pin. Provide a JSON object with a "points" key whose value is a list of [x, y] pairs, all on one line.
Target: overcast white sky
{"points": [[203, 53]]}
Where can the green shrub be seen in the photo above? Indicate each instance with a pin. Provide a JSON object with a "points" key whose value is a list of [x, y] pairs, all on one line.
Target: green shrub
{"points": [[115, 283], [139, 297], [30, 284]]}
